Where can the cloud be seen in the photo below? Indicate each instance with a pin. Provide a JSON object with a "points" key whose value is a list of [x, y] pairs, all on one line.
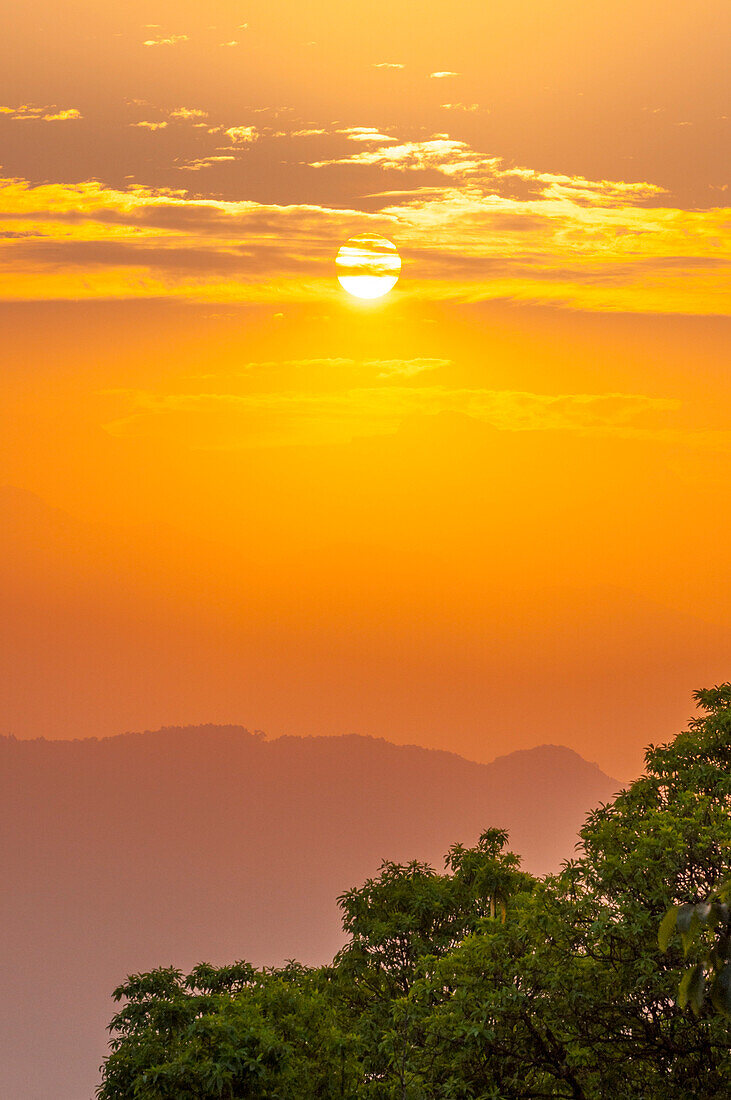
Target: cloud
{"points": [[25, 113], [70, 114], [234, 421], [480, 230], [232, 43], [406, 368], [388, 65], [203, 162], [459, 161], [364, 133], [242, 135], [383, 368], [171, 40], [440, 153], [460, 106], [187, 113], [149, 125], [442, 75]]}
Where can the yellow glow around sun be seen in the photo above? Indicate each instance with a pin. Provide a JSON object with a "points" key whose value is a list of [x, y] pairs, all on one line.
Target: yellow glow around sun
{"points": [[368, 266]]}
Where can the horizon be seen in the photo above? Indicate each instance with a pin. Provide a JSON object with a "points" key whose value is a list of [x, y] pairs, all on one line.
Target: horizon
{"points": [[263, 738]]}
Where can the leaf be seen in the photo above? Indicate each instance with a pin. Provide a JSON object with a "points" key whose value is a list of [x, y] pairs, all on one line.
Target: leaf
{"points": [[721, 991], [667, 927], [684, 918], [688, 925], [692, 987]]}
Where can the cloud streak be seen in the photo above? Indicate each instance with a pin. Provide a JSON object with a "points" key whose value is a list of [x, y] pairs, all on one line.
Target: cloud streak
{"points": [[232, 421], [383, 368], [470, 227], [242, 135], [170, 40], [188, 113], [27, 113]]}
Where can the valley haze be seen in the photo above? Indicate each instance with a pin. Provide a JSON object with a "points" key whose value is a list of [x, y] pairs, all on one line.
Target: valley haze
{"points": [[213, 843]]}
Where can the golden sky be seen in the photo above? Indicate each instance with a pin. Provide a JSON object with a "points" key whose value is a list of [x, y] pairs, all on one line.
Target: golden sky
{"points": [[486, 511]]}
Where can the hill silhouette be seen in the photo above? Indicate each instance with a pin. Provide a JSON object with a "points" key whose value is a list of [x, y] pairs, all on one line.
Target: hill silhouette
{"points": [[214, 843]]}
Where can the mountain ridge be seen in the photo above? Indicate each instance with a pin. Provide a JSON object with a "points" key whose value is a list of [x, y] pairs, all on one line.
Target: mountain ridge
{"points": [[261, 737]]}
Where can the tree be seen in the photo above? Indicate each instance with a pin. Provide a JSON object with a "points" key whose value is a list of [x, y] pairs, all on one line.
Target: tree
{"points": [[705, 924], [570, 997], [400, 923], [231, 1032], [711, 916], [483, 983]]}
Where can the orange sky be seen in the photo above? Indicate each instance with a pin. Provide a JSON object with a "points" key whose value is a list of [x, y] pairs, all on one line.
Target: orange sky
{"points": [[487, 511]]}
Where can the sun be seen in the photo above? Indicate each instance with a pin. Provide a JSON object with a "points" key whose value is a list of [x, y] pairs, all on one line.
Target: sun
{"points": [[368, 266]]}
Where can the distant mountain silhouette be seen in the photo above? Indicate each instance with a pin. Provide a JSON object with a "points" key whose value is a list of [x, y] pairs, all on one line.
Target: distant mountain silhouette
{"points": [[213, 843]]}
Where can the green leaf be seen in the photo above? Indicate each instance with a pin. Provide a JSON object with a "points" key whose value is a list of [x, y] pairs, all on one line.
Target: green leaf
{"points": [[688, 925], [685, 918], [692, 987], [721, 991], [667, 927]]}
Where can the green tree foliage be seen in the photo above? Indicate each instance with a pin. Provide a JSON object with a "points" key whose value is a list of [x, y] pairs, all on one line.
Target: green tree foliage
{"points": [[704, 924], [571, 996], [400, 924], [229, 1032], [483, 983], [691, 920]]}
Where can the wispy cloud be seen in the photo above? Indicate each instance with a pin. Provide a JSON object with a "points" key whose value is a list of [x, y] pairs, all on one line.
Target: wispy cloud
{"points": [[388, 65], [439, 153], [405, 368], [460, 162], [188, 113], [473, 227], [382, 368], [204, 162], [232, 421], [70, 114], [170, 40], [242, 135], [26, 113], [364, 133], [149, 125], [442, 75]]}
